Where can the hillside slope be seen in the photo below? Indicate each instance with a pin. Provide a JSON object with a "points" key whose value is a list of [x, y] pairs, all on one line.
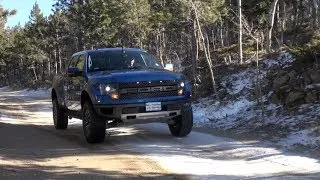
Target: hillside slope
{"points": [[290, 112]]}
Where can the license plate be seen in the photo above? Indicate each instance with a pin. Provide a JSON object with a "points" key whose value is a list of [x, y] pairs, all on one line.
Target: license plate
{"points": [[153, 106]]}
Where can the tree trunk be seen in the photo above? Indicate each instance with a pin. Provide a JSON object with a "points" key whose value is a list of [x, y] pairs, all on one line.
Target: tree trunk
{"points": [[160, 48], [213, 41], [49, 67], [283, 20], [164, 46], [194, 49], [295, 16], [271, 23], [55, 61], [301, 12], [315, 9], [34, 73], [240, 32], [207, 53], [157, 44], [221, 34], [80, 29], [60, 60], [259, 91]]}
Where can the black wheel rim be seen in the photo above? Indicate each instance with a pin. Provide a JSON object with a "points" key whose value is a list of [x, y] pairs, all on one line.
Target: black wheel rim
{"points": [[55, 113], [86, 122], [177, 125]]}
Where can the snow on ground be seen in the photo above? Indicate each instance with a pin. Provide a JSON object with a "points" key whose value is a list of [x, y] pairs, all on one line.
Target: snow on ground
{"points": [[285, 59], [40, 93], [311, 86], [240, 81], [205, 111], [44, 107], [303, 137], [207, 156], [5, 118], [239, 110]]}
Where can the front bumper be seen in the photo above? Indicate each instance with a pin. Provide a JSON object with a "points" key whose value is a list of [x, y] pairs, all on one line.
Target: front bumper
{"points": [[136, 113]]}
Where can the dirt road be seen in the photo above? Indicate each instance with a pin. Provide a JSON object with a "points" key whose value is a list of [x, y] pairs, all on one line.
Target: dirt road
{"points": [[30, 148]]}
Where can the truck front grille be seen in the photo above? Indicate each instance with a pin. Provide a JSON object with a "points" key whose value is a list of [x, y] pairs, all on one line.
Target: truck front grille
{"points": [[148, 89], [147, 84], [149, 95]]}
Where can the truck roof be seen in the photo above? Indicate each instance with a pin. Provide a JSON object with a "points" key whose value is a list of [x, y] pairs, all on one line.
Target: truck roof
{"points": [[108, 50]]}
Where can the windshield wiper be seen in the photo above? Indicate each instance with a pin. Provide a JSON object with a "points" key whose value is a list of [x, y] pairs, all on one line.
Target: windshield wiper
{"points": [[134, 67], [154, 68]]}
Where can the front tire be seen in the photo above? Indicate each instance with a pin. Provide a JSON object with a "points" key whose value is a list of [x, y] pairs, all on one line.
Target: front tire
{"points": [[183, 123], [94, 129], [60, 119]]}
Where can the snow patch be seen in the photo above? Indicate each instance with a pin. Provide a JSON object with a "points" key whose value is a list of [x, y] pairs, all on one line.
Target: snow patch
{"points": [[218, 111], [243, 81], [284, 60], [40, 93], [5, 118], [243, 115], [206, 156], [238, 82], [26, 93], [312, 86], [303, 137]]}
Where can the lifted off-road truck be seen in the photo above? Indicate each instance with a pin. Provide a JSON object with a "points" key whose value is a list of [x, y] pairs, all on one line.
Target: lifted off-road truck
{"points": [[116, 86]]}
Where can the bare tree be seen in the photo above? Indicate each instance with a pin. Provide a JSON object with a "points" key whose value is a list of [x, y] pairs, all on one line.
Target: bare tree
{"points": [[194, 48], [283, 20], [240, 32], [256, 35], [272, 13], [206, 48], [315, 13]]}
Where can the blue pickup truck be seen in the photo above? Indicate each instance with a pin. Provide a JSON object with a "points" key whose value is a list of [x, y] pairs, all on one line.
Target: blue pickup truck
{"points": [[115, 86]]}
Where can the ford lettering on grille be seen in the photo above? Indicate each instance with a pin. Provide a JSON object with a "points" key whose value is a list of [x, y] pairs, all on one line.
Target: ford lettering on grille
{"points": [[148, 89]]}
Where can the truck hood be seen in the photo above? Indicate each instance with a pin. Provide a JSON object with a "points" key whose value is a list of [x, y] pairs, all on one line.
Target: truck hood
{"points": [[135, 75]]}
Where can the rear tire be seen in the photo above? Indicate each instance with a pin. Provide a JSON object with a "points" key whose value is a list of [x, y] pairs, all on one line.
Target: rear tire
{"points": [[183, 123], [94, 129], [60, 119]]}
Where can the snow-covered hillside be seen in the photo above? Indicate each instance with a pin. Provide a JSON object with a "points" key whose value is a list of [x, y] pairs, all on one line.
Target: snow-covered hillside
{"points": [[238, 111]]}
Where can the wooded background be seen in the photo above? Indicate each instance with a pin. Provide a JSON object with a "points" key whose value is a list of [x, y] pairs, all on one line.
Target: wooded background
{"points": [[197, 36]]}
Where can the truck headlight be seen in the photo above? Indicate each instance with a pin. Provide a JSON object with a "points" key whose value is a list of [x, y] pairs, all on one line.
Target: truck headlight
{"points": [[180, 92], [108, 88], [111, 90], [181, 87]]}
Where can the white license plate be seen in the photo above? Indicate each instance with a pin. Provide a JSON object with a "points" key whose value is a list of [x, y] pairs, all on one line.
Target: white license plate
{"points": [[153, 106]]}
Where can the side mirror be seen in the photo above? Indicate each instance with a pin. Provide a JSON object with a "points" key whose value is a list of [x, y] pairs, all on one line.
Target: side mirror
{"points": [[169, 67], [73, 71]]}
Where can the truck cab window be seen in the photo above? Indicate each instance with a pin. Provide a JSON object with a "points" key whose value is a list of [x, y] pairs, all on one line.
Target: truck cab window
{"points": [[73, 61], [80, 63]]}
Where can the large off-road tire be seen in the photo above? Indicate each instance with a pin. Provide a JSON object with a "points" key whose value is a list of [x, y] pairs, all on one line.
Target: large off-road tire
{"points": [[94, 129], [60, 119], [183, 123]]}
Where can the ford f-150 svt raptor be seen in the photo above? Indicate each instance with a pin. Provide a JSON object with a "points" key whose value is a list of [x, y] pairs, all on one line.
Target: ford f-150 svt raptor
{"points": [[112, 86]]}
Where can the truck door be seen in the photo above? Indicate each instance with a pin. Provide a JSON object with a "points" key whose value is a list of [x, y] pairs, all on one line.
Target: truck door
{"points": [[68, 87], [77, 83]]}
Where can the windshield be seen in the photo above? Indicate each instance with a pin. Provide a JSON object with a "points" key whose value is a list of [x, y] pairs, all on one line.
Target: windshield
{"points": [[117, 60]]}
